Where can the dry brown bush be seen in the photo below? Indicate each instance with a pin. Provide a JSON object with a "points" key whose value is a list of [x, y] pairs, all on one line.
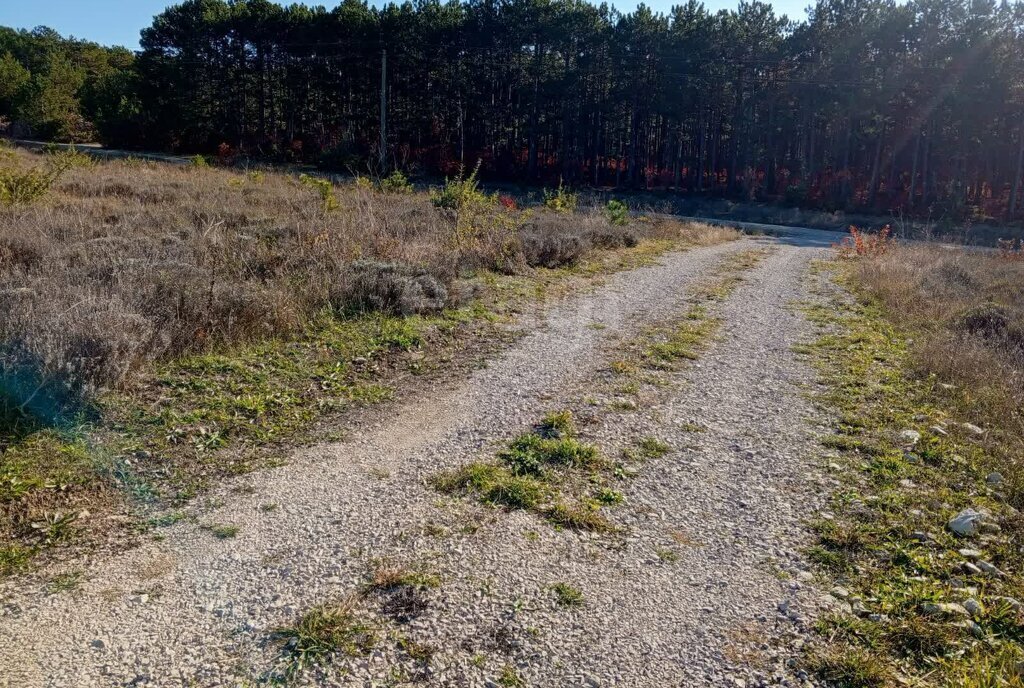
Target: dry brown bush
{"points": [[126, 262]]}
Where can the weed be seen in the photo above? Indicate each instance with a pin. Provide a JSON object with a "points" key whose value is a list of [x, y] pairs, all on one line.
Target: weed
{"points": [[561, 200], [65, 582], [666, 555], [529, 454], [324, 631], [609, 497], [509, 678], [567, 595], [653, 448], [850, 669], [860, 244], [13, 558], [324, 188], [388, 575], [557, 424], [222, 531], [580, 516]]}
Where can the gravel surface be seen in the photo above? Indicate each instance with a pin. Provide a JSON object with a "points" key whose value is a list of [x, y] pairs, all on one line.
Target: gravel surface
{"points": [[702, 586]]}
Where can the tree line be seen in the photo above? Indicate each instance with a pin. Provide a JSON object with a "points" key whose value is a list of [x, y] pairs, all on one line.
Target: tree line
{"points": [[915, 107]]}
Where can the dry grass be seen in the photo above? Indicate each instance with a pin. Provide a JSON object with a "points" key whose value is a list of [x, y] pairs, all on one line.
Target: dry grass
{"points": [[129, 262], [966, 310]]}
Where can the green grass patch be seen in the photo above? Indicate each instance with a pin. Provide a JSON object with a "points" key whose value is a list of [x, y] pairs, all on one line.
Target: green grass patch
{"points": [[322, 632], [567, 595]]}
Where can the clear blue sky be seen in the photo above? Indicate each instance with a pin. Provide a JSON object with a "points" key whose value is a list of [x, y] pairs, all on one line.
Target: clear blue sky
{"points": [[118, 22]]}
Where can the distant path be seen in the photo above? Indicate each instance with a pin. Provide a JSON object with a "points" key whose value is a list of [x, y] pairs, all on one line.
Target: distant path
{"points": [[99, 151], [728, 503]]}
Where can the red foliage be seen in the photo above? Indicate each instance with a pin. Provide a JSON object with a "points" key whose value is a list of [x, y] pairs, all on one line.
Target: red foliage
{"points": [[861, 244], [507, 202]]}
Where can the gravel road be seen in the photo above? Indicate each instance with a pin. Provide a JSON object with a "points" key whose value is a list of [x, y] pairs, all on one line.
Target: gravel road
{"points": [[704, 585]]}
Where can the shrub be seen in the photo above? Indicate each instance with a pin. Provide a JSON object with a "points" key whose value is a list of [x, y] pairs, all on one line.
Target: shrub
{"points": [[395, 288], [68, 158], [460, 193], [553, 250], [323, 187], [19, 187], [199, 161], [617, 212], [561, 200], [396, 182], [861, 244]]}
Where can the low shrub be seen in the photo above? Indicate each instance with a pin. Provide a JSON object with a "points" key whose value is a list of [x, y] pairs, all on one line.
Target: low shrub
{"points": [[324, 188], [394, 288], [553, 250], [561, 200], [617, 212], [396, 182]]}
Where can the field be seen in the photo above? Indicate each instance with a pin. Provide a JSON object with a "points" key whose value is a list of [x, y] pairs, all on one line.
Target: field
{"points": [[192, 316]]}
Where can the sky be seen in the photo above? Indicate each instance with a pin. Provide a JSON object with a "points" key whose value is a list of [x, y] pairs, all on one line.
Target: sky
{"points": [[118, 22]]}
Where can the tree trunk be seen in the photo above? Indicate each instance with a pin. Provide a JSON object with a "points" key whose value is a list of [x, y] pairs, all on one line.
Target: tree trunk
{"points": [[1015, 187]]}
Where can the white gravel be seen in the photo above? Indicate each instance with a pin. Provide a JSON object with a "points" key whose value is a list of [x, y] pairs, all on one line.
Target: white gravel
{"points": [[195, 608]]}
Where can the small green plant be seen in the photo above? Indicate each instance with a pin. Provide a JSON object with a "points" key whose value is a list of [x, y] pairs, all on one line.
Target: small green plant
{"points": [[530, 453], [567, 595], [617, 212], [561, 200], [222, 531], [14, 558], [510, 679], [557, 424], [460, 192], [256, 176], [56, 527], [323, 631], [667, 555], [199, 161], [68, 158], [608, 496], [652, 447], [396, 182], [64, 582], [324, 188]]}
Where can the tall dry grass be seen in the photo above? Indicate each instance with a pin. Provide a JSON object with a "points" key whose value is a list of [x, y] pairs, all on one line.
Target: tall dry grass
{"points": [[967, 312], [128, 262]]}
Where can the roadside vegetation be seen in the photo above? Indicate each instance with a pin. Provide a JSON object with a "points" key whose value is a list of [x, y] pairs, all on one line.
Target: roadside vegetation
{"points": [[162, 326], [921, 543]]}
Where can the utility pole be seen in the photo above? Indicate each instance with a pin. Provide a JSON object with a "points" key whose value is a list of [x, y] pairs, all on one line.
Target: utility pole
{"points": [[383, 107]]}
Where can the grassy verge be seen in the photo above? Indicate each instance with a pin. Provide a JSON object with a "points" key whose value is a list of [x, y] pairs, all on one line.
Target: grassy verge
{"points": [[919, 603]]}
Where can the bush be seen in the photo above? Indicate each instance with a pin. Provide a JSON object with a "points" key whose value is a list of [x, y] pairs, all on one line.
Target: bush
{"points": [[541, 249], [460, 192], [390, 288], [22, 187], [323, 188], [561, 200], [617, 212], [396, 182]]}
